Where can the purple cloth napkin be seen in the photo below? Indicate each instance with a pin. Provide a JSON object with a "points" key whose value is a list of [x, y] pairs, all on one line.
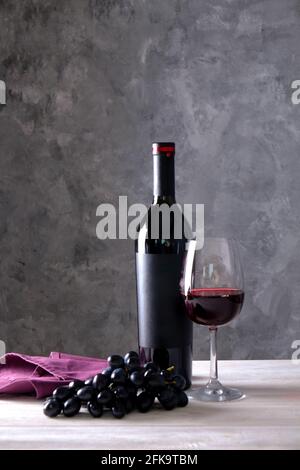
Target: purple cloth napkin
{"points": [[37, 375]]}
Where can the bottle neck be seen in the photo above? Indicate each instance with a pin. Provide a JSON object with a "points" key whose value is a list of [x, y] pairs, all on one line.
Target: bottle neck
{"points": [[163, 179], [169, 200]]}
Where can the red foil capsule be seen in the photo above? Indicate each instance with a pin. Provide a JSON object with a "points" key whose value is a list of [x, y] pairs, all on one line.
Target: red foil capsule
{"points": [[167, 148]]}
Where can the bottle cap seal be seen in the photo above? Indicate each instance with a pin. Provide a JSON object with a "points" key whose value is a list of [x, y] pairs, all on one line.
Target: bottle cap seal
{"points": [[166, 148]]}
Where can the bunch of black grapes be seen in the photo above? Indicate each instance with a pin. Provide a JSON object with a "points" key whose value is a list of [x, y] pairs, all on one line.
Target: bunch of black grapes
{"points": [[122, 387]]}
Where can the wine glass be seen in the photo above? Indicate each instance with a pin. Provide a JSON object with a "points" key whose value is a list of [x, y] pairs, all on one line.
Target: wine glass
{"points": [[212, 287]]}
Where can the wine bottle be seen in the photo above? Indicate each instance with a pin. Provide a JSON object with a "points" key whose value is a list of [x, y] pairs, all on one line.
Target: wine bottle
{"points": [[165, 332]]}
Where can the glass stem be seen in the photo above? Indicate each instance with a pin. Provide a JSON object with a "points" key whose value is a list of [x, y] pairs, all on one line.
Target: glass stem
{"points": [[213, 355]]}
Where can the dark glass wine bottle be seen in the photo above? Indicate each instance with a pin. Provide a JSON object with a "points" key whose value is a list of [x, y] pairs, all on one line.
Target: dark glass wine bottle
{"points": [[165, 332]]}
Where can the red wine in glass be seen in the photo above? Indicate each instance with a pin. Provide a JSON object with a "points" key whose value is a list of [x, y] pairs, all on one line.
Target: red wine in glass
{"points": [[213, 293], [214, 306]]}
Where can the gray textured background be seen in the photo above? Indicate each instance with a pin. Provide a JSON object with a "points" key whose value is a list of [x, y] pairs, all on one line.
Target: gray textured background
{"points": [[90, 85]]}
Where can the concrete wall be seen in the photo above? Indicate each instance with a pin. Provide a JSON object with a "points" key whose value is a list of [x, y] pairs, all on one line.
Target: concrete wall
{"points": [[90, 84]]}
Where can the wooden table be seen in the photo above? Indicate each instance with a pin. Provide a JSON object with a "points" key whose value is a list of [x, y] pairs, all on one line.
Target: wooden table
{"points": [[268, 418]]}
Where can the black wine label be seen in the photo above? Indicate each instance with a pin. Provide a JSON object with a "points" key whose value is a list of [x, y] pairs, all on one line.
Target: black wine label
{"points": [[162, 321]]}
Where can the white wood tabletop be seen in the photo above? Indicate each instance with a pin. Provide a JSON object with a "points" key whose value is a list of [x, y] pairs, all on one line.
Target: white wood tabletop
{"points": [[268, 418]]}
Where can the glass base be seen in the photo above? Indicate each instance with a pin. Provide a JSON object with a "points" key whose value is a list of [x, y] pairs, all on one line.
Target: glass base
{"points": [[214, 391]]}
